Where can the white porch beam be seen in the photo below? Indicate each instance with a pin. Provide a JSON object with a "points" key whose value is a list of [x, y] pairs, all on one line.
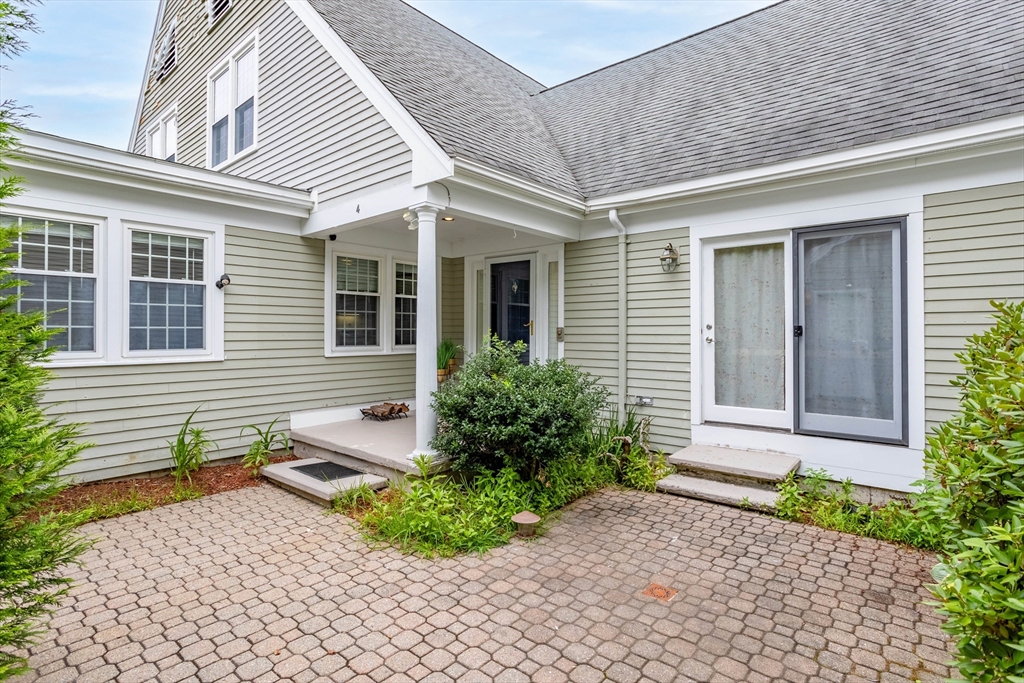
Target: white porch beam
{"points": [[426, 325]]}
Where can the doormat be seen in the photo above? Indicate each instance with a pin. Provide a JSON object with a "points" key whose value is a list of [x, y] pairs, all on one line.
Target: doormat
{"points": [[660, 592], [326, 471]]}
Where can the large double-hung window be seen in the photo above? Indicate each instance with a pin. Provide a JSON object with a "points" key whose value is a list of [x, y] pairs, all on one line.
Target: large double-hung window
{"points": [[232, 105], [57, 264], [166, 292]]}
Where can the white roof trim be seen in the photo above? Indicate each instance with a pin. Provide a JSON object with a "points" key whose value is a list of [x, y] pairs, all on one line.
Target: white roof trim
{"points": [[50, 154], [429, 162], [970, 139]]}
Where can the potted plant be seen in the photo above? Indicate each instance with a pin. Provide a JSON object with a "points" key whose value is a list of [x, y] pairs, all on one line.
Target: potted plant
{"points": [[446, 352]]}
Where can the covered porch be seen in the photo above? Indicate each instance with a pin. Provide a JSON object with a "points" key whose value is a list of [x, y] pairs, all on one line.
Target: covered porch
{"points": [[399, 283]]}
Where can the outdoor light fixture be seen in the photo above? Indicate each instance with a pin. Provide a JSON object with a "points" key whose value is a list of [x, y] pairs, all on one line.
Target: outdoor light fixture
{"points": [[669, 258], [223, 281], [448, 219], [412, 219]]}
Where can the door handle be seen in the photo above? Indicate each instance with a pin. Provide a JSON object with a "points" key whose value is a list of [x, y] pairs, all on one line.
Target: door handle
{"points": [[530, 325]]}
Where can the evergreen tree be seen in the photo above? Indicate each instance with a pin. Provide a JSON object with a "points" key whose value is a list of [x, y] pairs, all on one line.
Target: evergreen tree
{"points": [[34, 447]]}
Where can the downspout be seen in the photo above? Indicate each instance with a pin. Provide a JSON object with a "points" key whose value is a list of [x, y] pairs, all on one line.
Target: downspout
{"points": [[613, 216]]}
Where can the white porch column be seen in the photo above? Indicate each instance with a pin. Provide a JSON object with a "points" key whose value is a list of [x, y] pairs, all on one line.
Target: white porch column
{"points": [[426, 325]]}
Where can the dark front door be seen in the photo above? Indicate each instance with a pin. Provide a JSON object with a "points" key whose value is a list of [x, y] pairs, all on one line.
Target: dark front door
{"points": [[511, 318]]}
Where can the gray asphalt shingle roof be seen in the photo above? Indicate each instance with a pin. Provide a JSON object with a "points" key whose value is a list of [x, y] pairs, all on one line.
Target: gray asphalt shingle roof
{"points": [[800, 77], [473, 104]]}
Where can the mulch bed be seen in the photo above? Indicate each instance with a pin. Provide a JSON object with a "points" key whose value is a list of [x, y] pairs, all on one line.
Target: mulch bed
{"points": [[155, 491]]}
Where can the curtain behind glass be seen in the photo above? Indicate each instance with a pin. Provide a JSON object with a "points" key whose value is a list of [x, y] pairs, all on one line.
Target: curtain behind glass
{"points": [[750, 320], [848, 328]]}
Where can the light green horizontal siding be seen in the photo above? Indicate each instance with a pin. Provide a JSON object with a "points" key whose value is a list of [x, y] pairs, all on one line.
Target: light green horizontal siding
{"points": [[453, 287], [973, 253], [275, 364], [657, 324]]}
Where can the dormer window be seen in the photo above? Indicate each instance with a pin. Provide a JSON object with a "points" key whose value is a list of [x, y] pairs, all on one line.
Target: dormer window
{"points": [[216, 9], [166, 56]]}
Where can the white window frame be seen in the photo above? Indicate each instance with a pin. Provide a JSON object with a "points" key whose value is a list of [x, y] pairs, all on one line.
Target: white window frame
{"points": [[160, 126], [395, 295], [213, 322], [98, 270], [229, 65], [386, 313], [212, 20]]}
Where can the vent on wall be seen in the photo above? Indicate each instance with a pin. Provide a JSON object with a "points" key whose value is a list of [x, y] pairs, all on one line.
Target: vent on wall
{"points": [[217, 8], [166, 55]]}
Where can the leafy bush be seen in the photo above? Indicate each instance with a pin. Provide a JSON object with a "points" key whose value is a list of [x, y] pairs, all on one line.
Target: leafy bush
{"points": [[810, 500], [188, 450], [439, 514], [975, 467], [260, 450], [502, 414]]}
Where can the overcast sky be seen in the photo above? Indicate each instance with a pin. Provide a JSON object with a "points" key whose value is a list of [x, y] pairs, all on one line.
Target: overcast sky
{"points": [[81, 75]]}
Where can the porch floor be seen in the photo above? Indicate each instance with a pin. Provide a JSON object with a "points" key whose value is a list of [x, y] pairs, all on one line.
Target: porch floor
{"points": [[382, 444]]}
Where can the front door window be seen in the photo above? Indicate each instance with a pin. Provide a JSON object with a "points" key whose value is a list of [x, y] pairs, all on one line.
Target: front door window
{"points": [[511, 316]]}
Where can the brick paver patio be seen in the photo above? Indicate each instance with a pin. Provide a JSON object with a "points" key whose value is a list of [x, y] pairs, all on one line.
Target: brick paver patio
{"points": [[260, 585]]}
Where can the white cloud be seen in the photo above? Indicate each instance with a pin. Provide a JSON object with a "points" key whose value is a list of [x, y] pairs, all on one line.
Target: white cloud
{"points": [[95, 91]]}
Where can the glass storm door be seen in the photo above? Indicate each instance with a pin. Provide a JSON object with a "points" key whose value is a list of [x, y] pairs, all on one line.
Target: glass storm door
{"points": [[849, 329], [743, 335], [511, 310]]}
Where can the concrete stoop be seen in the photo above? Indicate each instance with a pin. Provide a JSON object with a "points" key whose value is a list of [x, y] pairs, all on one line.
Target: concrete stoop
{"points": [[320, 489], [728, 475]]}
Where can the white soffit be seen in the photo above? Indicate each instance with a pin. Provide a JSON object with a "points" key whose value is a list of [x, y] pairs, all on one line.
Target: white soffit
{"points": [[429, 162]]}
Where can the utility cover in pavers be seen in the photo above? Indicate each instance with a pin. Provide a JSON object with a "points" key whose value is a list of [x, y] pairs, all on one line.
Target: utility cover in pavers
{"points": [[319, 480]]}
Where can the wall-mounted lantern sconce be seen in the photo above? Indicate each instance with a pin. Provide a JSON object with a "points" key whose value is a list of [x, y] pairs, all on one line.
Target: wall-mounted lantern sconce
{"points": [[412, 219], [669, 258], [223, 281]]}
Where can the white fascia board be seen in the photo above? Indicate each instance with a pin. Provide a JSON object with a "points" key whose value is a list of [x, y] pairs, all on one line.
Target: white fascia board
{"points": [[971, 139], [60, 156], [429, 162], [345, 213], [488, 178], [145, 75]]}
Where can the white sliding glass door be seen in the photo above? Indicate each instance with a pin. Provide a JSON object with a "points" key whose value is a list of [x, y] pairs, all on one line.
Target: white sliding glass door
{"points": [[744, 332], [850, 331]]}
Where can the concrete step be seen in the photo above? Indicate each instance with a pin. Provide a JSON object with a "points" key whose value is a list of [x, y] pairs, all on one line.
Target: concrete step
{"points": [[748, 497], [319, 489], [732, 464]]}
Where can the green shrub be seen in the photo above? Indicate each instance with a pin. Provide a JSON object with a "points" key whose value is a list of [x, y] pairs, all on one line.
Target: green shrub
{"points": [[259, 452], [445, 515], [810, 500], [188, 450], [502, 414], [975, 468]]}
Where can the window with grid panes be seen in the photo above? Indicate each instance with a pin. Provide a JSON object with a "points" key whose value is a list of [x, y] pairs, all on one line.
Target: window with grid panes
{"points": [[56, 261], [405, 304], [166, 292], [357, 302]]}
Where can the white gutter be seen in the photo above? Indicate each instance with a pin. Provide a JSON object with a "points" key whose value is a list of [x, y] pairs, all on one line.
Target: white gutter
{"points": [[613, 216]]}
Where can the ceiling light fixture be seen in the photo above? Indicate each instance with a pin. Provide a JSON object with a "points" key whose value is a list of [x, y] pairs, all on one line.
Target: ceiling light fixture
{"points": [[448, 219]]}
